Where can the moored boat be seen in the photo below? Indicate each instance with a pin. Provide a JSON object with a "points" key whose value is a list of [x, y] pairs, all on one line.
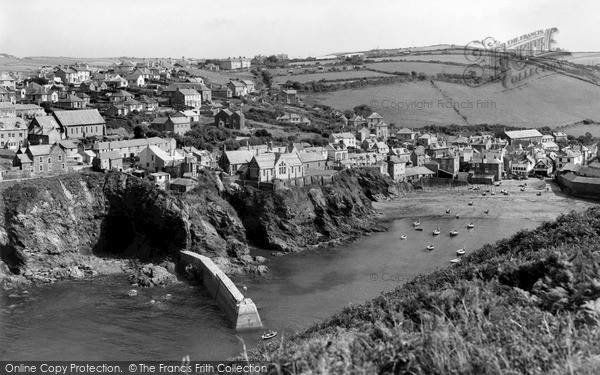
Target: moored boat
{"points": [[268, 335], [430, 247], [419, 229], [470, 225], [454, 233], [455, 260], [460, 251], [416, 223], [448, 211], [457, 216], [436, 232], [403, 237]]}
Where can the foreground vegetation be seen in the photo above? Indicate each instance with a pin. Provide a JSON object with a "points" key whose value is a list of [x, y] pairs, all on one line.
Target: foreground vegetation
{"points": [[526, 305]]}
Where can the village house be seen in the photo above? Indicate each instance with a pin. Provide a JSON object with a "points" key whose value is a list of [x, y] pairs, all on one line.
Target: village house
{"points": [[522, 165], [406, 135], [233, 64], [364, 134], [191, 115], [237, 88], [382, 130], [426, 140], [8, 96], [486, 168], [7, 109], [35, 93], [87, 156], [41, 160], [417, 173], [80, 123], [230, 119], [560, 137], [313, 160], [373, 119], [233, 162], [135, 79], [29, 111], [401, 153], [347, 139], [72, 74], [148, 104], [182, 185], [177, 125], [154, 159], [133, 147], [336, 151], [70, 101], [568, 156], [293, 119], [267, 167], [249, 85], [44, 130], [187, 97], [396, 168], [119, 96], [7, 81], [418, 157], [287, 97], [107, 161], [13, 133], [204, 158], [355, 121], [544, 167], [221, 92]]}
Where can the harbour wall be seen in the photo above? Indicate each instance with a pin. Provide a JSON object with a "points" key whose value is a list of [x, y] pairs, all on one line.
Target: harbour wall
{"points": [[239, 310]]}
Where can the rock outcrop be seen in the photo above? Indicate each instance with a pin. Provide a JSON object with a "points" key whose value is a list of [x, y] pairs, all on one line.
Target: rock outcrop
{"points": [[83, 224]]}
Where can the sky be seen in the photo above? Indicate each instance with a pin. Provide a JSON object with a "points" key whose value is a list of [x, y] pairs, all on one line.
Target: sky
{"points": [[299, 28]]}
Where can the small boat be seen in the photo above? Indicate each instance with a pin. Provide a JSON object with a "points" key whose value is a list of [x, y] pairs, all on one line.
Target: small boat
{"points": [[539, 193], [460, 251], [403, 237], [484, 193], [436, 232], [470, 203], [430, 247], [416, 223], [454, 233], [448, 211], [457, 216], [493, 193], [486, 211], [455, 260], [470, 225], [268, 335], [522, 189], [419, 229]]}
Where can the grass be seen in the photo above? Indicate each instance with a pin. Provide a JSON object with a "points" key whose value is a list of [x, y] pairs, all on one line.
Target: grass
{"points": [[430, 69], [554, 100], [526, 305], [329, 76]]}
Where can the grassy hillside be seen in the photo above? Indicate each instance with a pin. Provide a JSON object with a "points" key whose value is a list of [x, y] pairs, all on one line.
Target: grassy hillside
{"points": [[526, 305], [547, 100]]}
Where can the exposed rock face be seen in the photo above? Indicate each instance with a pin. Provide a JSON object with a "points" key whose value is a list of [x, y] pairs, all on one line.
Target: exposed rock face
{"points": [[83, 224], [60, 227], [293, 219]]}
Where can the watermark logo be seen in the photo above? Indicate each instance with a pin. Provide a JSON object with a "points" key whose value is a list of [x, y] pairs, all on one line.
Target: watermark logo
{"points": [[512, 62], [433, 104]]}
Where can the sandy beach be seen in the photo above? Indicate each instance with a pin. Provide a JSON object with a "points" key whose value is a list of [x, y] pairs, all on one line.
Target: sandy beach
{"points": [[518, 204]]}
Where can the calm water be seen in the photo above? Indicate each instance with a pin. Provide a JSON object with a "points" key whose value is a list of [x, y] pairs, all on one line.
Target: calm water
{"points": [[97, 320]]}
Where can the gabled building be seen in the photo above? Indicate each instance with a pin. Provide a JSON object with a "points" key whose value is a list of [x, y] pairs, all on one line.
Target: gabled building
{"points": [[177, 125], [356, 121], [568, 156], [373, 119], [406, 135], [44, 130], [347, 139], [233, 162], [230, 119], [70, 101], [187, 97], [41, 160], [396, 168], [13, 133], [336, 152], [293, 118], [287, 97], [523, 135], [80, 123], [237, 88], [107, 161]]}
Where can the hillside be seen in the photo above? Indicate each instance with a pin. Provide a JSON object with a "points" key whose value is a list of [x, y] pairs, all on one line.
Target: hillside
{"points": [[548, 100], [525, 305]]}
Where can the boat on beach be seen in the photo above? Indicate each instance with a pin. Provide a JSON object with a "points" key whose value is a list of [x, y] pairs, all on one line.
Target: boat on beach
{"points": [[457, 216], [460, 251], [470, 203], [455, 260], [430, 247], [436, 232], [448, 211], [470, 225], [454, 233], [403, 237], [486, 211], [419, 229], [268, 335], [416, 223]]}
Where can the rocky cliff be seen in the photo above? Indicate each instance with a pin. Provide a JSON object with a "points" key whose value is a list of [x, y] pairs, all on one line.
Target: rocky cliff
{"points": [[293, 219], [80, 224], [88, 223]]}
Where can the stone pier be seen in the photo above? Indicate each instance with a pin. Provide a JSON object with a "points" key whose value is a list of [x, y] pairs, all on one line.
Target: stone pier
{"points": [[241, 311]]}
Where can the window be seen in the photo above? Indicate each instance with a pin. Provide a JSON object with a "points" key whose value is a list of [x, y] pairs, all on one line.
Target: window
{"points": [[41, 168], [59, 157], [41, 160], [63, 165], [49, 167], [49, 160], [282, 169]]}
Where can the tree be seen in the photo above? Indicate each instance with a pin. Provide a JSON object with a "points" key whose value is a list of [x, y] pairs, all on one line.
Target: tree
{"points": [[267, 78], [363, 110], [139, 131], [262, 133]]}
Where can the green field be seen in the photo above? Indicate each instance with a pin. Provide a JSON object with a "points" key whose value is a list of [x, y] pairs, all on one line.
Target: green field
{"points": [[410, 66], [29, 64], [454, 58], [329, 76], [553, 100]]}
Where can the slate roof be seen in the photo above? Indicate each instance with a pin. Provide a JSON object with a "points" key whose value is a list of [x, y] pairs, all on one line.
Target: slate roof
{"points": [[79, 117]]}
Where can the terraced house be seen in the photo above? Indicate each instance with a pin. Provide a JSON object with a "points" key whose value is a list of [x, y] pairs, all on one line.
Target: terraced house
{"points": [[80, 123], [13, 132], [177, 125], [187, 97]]}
